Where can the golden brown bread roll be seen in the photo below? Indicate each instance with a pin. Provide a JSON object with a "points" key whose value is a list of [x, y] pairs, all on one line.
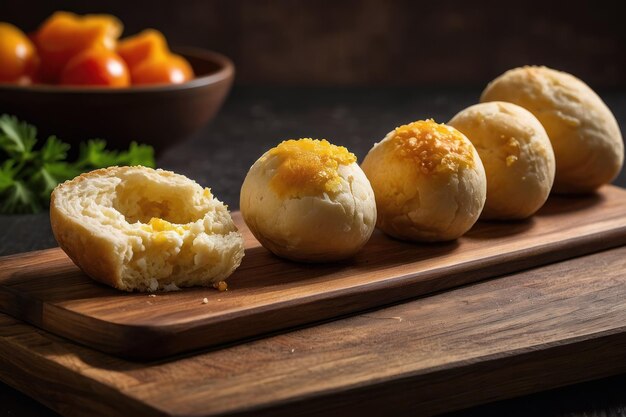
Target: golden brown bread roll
{"points": [[516, 153], [428, 180], [308, 200], [586, 139]]}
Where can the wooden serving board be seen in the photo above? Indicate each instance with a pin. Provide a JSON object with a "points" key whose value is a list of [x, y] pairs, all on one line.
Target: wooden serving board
{"points": [[539, 329], [268, 294]]}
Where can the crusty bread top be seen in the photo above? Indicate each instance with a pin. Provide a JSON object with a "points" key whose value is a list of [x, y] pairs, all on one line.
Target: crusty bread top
{"points": [[585, 136], [434, 193], [328, 216], [517, 156]]}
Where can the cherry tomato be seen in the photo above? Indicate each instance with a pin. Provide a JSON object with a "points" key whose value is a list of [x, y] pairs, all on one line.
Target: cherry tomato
{"points": [[96, 67], [145, 45], [165, 69], [64, 35], [18, 57]]}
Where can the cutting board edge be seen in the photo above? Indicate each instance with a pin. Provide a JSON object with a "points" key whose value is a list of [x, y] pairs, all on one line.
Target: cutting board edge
{"points": [[400, 287], [156, 339], [23, 370], [529, 359]]}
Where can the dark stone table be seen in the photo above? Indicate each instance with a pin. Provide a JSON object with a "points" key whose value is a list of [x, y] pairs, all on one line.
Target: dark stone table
{"points": [[255, 119]]}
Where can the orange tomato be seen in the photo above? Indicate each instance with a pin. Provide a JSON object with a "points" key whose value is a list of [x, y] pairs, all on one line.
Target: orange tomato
{"points": [[18, 57], [145, 45], [96, 67], [64, 35], [165, 69]]}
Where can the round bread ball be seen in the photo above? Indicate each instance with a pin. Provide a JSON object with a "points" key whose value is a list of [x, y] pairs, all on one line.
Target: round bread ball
{"points": [[144, 229], [428, 180], [585, 136], [516, 153], [308, 200]]}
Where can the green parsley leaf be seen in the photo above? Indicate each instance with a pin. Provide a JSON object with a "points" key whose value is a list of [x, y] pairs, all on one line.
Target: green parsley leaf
{"points": [[62, 171], [7, 175], [138, 155], [30, 173], [94, 154], [54, 150], [17, 138], [19, 199]]}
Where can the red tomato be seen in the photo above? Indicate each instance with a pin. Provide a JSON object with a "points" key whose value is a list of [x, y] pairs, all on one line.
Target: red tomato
{"points": [[164, 69], [144, 46], [18, 58], [64, 35], [96, 67]]}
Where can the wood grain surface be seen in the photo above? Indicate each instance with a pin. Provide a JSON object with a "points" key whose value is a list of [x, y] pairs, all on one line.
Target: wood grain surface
{"points": [[268, 294], [539, 329]]}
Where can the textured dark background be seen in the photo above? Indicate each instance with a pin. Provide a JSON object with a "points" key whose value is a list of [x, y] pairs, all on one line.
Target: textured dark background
{"points": [[357, 42]]}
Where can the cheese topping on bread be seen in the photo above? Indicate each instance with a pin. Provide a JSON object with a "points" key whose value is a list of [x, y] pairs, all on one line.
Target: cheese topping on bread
{"points": [[308, 167], [432, 146]]}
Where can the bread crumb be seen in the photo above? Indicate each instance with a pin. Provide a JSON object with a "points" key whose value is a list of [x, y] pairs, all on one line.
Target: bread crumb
{"points": [[221, 286], [151, 295], [510, 160], [293, 350], [205, 300]]}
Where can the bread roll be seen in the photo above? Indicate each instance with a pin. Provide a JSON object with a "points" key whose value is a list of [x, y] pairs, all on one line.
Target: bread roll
{"points": [[428, 180], [586, 139], [516, 153], [308, 200], [136, 228]]}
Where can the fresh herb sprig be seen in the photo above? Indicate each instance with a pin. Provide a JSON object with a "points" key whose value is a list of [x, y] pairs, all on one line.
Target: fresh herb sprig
{"points": [[29, 173]]}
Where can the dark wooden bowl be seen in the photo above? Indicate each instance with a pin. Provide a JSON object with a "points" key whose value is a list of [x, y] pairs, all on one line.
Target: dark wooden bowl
{"points": [[159, 115]]}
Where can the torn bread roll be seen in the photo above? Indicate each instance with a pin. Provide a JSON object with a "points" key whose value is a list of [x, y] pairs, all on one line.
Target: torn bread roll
{"points": [[308, 200], [136, 228], [428, 180]]}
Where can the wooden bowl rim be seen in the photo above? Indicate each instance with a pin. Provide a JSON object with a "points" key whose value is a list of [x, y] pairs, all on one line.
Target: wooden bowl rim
{"points": [[226, 70]]}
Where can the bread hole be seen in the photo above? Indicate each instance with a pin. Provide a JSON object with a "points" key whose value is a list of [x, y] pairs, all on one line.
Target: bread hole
{"points": [[139, 201]]}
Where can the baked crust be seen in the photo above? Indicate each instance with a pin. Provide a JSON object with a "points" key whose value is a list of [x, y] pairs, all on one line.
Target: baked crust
{"points": [[517, 156], [328, 214], [428, 180], [90, 253], [585, 136]]}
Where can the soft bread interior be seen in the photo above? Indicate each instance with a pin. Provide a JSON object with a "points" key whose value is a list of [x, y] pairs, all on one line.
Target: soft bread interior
{"points": [[164, 229]]}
